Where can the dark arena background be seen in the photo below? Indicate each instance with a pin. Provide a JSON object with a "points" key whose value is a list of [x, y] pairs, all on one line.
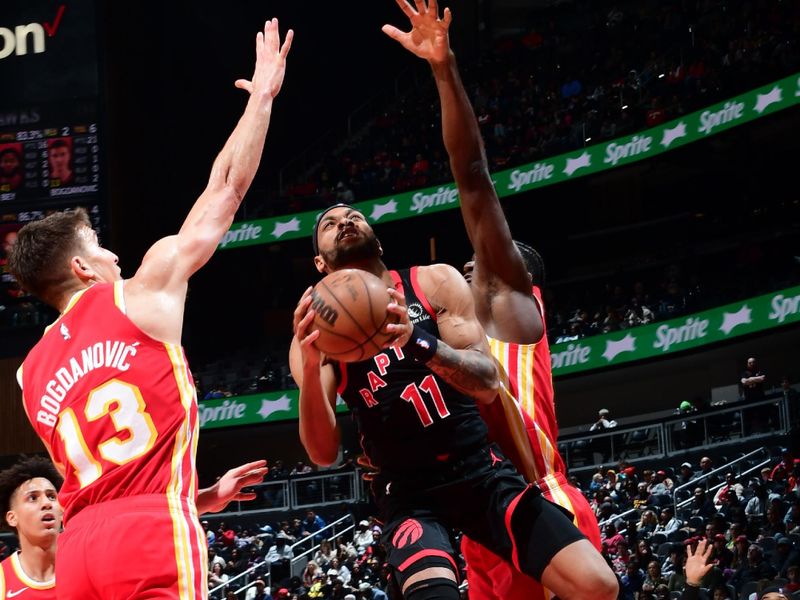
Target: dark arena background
{"points": [[646, 149]]}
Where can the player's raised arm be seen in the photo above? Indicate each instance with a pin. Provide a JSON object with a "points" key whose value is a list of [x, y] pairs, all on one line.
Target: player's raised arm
{"points": [[173, 260], [498, 259]]}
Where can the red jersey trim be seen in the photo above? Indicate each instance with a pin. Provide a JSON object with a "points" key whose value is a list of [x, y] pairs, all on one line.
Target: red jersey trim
{"points": [[420, 294], [343, 373], [424, 553]]}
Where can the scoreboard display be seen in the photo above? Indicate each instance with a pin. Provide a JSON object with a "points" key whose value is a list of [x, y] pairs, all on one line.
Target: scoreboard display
{"points": [[50, 132], [59, 158]]}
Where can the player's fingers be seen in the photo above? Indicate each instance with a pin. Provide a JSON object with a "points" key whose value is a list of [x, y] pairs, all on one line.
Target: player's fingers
{"points": [[251, 466], [253, 477], [309, 339], [244, 84], [433, 7], [287, 43], [421, 8], [406, 8], [394, 33], [245, 496], [448, 17]]}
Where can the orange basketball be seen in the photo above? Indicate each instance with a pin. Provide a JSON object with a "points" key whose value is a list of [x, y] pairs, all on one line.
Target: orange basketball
{"points": [[351, 313]]}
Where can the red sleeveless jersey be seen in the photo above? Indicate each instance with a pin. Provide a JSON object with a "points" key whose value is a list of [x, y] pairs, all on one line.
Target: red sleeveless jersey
{"points": [[14, 583], [116, 408], [526, 373]]}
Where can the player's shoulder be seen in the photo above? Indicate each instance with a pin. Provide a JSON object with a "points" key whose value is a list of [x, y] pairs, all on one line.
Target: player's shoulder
{"points": [[440, 272]]}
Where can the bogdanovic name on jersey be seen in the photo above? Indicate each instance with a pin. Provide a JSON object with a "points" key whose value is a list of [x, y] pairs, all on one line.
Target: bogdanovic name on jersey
{"points": [[111, 354]]}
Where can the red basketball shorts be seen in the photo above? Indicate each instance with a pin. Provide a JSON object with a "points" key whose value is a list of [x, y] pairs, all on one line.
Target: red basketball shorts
{"points": [[492, 578], [138, 548]]}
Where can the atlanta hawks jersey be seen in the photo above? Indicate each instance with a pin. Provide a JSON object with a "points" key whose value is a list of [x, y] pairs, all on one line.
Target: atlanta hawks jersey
{"points": [[525, 372], [116, 408], [408, 417], [15, 583]]}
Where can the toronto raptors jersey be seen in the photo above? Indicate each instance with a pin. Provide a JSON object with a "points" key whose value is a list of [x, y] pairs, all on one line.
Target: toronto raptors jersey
{"points": [[409, 419], [527, 374], [116, 408], [15, 584]]}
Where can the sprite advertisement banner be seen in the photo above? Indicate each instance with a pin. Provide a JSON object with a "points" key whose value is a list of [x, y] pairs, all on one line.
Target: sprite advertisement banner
{"points": [[592, 159], [691, 331], [253, 409], [657, 339]]}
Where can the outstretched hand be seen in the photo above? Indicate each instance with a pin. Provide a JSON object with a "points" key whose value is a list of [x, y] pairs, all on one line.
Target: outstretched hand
{"points": [[428, 36], [697, 564], [270, 61], [229, 487]]}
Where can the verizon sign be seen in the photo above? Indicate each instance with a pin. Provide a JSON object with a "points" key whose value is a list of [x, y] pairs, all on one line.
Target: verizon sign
{"points": [[29, 37]]}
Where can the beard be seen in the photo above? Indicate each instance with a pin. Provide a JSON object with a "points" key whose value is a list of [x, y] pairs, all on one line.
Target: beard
{"points": [[366, 249]]}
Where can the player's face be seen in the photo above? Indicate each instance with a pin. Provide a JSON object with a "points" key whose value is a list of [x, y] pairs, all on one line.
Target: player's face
{"points": [[468, 268], [9, 240], [345, 237], [9, 164], [103, 262], [35, 511], [59, 160]]}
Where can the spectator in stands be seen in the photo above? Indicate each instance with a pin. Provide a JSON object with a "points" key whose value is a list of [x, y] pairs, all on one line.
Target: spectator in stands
{"points": [[756, 508], [774, 525], [631, 582], [793, 575], [362, 537], [603, 421], [668, 522], [786, 555], [214, 558], [368, 592], [685, 475], [754, 569], [258, 591], [740, 548], [311, 571], [647, 524], [674, 562], [706, 467], [612, 538], [216, 578], [324, 555], [642, 497], [279, 557], [644, 553], [723, 556], [792, 518], [751, 382], [660, 483], [312, 523], [701, 505], [654, 577], [730, 485]]}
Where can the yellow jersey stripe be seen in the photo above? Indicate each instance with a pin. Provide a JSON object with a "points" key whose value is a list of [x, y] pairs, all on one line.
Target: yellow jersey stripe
{"points": [[23, 577], [180, 532]]}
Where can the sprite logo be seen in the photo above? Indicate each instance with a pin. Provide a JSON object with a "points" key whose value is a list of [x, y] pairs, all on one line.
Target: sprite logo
{"points": [[638, 145], [784, 307], [693, 329], [732, 111], [444, 195], [227, 411], [539, 172], [246, 232], [575, 354]]}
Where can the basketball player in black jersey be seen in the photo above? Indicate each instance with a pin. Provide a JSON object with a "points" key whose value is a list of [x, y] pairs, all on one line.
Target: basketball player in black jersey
{"points": [[415, 408]]}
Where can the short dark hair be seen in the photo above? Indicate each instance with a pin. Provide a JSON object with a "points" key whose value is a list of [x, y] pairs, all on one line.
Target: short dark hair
{"points": [[38, 259], [314, 242], [58, 144], [533, 262], [27, 468]]}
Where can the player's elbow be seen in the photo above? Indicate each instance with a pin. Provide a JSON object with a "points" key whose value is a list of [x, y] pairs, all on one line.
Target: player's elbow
{"points": [[491, 385]]}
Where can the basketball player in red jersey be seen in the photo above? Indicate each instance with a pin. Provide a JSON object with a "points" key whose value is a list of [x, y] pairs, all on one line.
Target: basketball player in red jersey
{"points": [[500, 279], [108, 390], [29, 506]]}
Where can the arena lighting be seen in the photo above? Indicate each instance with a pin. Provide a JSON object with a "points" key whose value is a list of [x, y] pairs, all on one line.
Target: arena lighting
{"points": [[588, 139], [624, 107], [661, 76]]}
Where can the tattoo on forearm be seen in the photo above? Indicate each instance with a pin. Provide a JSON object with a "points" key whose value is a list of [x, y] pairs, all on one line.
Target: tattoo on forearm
{"points": [[469, 371]]}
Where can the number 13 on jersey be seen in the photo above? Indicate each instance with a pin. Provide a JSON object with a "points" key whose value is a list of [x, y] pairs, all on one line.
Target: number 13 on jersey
{"points": [[121, 401]]}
